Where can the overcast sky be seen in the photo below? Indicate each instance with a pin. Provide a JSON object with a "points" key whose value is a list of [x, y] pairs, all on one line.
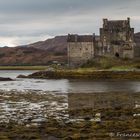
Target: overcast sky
{"points": [[27, 21]]}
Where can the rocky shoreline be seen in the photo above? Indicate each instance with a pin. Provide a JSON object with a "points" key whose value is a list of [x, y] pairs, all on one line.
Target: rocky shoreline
{"points": [[93, 74], [5, 79], [39, 115]]}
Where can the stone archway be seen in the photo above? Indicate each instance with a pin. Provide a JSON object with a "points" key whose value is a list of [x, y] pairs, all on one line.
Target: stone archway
{"points": [[117, 54]]}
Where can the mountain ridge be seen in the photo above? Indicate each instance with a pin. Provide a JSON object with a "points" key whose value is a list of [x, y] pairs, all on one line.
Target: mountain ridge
{"points": [[41, 52], [57, 44]]}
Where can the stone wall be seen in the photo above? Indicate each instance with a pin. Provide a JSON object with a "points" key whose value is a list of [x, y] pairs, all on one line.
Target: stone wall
{"points": [[114, 35], [80, 49], [137, 51], [80, 52], [116, 39], [128, 54]]}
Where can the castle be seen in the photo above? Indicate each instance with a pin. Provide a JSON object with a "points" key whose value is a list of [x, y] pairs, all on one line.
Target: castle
{"points": [[116, 40]]}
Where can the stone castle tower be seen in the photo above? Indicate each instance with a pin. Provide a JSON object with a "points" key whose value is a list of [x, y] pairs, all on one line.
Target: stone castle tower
{"points": [[116, 40], [80, 49]]}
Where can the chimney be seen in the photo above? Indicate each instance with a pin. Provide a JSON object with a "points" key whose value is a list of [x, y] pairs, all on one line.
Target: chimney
{"points": [[105, 20], [94, 36], [68, 38], [128, 19], [76, 38]]}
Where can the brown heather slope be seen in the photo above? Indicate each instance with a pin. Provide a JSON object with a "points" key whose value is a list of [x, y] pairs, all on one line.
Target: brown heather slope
{"points": [[57, 45], [40, 53], [27, 56]]}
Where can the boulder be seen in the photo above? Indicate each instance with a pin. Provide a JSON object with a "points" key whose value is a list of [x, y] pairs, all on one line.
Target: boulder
{"points": [[21, 76], [5, 79]]}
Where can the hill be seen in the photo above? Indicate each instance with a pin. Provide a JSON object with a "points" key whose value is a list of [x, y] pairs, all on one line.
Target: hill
{"points": [[56, 45], [39, 53], [27, 56]]}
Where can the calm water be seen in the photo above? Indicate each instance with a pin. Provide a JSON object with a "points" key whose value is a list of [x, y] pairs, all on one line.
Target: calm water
{"points": [[65, 86], [36, 107]]}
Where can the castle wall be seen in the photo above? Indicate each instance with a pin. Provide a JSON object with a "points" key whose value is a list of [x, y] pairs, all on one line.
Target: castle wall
{"points": [[80, 52], [137, 51], [128, 54], [115, 35], [116, 40]]}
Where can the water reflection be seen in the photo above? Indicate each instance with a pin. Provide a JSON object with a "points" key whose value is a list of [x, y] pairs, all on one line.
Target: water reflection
{"points": [[85, 86], [104, 105], [36, 84], [65, 85], [14, 73], [31, 106]]}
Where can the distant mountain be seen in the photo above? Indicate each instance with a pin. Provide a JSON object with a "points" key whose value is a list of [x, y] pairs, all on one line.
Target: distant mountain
{"points": [[57, 45], [28, 56], [39, 53]]}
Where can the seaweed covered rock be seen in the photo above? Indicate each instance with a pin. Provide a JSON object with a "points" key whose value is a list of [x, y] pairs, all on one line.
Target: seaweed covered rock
{"points": [[93, 74], [5, 79], [21, 76]]}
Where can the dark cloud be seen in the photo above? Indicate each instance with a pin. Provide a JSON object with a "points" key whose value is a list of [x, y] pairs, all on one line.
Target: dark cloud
{"points": [[31, 20]]}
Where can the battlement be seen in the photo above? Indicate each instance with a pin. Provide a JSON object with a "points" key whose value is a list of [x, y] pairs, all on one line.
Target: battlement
{"points": [[114, 24], [80, 38]]}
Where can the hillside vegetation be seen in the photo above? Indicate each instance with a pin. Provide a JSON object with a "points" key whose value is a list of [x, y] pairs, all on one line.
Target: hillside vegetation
{"points": [[99, 68], [112, 64], [27, 56]]}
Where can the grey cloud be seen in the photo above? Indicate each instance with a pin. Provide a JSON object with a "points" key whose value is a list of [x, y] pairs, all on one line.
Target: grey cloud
{"points": [[39, 18]]}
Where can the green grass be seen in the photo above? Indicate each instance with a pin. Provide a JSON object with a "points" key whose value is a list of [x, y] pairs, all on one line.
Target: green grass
{"points": [[125, 68], [23, 67], [109, 63]]}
